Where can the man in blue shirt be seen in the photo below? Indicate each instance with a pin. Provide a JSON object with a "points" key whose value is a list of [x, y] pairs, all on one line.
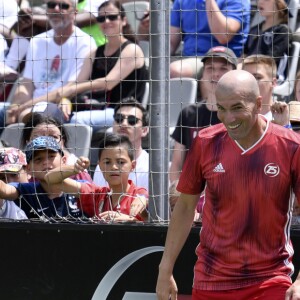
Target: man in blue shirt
{"points": [[203, 24]]}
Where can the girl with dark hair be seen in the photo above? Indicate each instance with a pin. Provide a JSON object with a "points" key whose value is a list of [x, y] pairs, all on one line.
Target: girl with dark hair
{"points": [[118, 71], [37, 125]]}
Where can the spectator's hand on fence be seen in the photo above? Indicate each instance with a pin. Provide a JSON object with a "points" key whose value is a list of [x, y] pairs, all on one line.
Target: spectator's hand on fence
{"points": [[138, 206], [280, 112], [115, 216]]}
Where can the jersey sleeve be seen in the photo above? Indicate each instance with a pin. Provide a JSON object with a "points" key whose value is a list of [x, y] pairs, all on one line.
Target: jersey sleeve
{"points": [[191, 180]]}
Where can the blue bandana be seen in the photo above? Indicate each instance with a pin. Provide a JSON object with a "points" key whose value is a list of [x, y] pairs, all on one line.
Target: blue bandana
{"points": [[41, 143]]}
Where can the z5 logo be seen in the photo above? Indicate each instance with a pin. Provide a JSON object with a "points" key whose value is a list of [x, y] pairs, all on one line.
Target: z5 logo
{"points": [[271, 170]]}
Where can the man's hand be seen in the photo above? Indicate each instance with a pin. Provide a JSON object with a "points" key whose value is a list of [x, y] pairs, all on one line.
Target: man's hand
{"points": [[280, 112], [12, 114], [293, 293], [166, 287], [66, 107]]}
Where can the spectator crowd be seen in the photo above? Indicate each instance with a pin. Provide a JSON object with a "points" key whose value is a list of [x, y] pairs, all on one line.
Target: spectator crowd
{"points": [[83, 62]]}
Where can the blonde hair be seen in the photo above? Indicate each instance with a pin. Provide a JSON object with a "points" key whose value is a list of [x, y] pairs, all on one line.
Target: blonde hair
{"points": [[260, 59]]}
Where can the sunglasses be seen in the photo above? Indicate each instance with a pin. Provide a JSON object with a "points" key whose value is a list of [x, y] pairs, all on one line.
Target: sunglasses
{"points": [[101, 19], [132, 120], [61, 5]]}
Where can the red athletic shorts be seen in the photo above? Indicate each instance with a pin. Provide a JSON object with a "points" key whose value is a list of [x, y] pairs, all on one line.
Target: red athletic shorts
{"points": [[273, 288]]}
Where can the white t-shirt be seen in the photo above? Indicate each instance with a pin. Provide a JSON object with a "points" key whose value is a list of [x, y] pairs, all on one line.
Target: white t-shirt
{"points": [[51, 66], [8, 12], [10, 210], [140, 176], [17, 52], [3, 48]]}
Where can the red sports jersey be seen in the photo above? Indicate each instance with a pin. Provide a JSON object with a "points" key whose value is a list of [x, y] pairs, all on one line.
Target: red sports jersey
{"points": [[248, 209], [95, 199]]}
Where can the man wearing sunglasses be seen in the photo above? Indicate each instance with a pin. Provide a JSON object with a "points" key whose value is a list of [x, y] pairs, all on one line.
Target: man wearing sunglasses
{"points": [[131, 119], [55, 58]]}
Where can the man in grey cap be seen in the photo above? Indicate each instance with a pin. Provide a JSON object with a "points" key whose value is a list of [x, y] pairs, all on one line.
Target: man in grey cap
{"points": [[216, 62]]}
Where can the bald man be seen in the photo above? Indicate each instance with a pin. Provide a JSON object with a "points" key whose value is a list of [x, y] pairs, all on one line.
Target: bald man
{"points": [[247, 168]]}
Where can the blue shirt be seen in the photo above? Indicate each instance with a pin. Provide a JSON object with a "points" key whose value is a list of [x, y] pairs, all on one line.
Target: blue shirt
{"points": [[191, 17], [34, 201]]}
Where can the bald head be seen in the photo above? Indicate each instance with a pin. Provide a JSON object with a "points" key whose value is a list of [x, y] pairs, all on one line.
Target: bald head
{"points": [[238, 82]]}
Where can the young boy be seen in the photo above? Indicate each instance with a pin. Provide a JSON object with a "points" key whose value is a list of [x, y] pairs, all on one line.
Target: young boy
{"points": [[38, 199], [12, 169], [113, 203]]}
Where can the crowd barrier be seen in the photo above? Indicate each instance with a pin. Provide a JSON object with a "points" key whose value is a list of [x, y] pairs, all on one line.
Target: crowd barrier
{"points": [[91, 261]]}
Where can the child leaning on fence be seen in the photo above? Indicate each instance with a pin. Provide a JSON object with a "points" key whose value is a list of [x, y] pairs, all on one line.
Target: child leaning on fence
{"points": [[37, 199], [122, 200]]}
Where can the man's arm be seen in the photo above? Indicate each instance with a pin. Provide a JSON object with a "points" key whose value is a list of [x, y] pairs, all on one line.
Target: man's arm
{"points": [[223, 28], [179, 229], [178, 157], [85, 18], [24, 91], [175, 39]]}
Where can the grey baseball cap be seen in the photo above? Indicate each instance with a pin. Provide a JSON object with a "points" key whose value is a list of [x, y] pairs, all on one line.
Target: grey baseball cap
{"points": [[222, 52]]}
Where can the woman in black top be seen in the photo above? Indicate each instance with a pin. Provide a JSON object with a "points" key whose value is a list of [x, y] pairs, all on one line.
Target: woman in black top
{"points": [[118, 71], [272, 36]]}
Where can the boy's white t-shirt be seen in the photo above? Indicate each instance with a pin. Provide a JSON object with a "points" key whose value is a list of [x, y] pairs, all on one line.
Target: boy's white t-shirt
{"points": [[140, 175], [51, 66]]}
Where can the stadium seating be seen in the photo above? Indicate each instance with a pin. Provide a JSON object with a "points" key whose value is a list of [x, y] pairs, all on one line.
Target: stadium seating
{"points": [[133, 9], [183, 91], [79, 137], [284, 90]]}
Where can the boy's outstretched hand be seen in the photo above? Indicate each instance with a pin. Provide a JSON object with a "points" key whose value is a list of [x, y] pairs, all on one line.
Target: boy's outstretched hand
{"points": [[81, 164]]}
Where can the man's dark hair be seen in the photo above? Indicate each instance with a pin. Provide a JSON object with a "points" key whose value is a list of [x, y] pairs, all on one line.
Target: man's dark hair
{"points": [[132, 102], [113, 140]]}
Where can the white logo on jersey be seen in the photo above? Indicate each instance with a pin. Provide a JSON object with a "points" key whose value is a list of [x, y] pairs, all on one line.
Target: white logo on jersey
{"points": [[271, 170], [219, 168]]}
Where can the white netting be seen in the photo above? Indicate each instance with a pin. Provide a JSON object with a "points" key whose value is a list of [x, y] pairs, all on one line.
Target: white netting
{"points": [[59, 72]]}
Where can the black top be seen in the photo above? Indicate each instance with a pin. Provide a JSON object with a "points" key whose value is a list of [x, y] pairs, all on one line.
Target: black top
{"points": [[191, 120], [274, 41], [132, 85]]}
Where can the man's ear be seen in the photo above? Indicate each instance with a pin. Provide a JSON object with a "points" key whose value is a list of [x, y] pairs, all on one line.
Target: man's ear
{"points": [[274, 82], [145, 131], [258, 104]]}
